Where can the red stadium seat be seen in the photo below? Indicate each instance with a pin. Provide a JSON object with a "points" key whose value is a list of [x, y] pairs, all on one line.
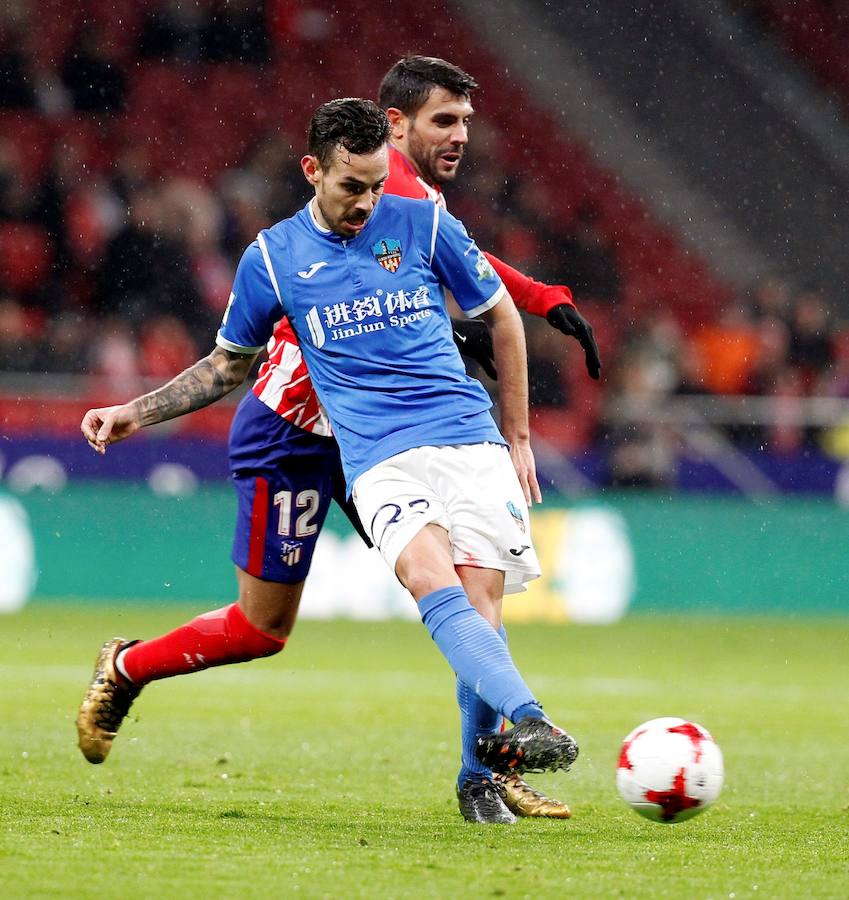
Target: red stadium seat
{"points": [[30, 136], [26, 254]]}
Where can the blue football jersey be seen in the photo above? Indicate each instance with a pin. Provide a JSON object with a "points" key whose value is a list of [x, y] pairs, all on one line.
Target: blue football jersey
{"points": [[371, 319]]}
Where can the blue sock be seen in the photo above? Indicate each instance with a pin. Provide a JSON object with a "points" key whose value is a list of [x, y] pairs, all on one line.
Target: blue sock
{"points": [[476, 717], [532, 709], [474, 650]]}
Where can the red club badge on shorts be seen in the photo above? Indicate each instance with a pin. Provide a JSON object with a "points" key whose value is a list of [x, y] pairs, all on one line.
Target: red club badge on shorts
{"points": [[387, 252]]}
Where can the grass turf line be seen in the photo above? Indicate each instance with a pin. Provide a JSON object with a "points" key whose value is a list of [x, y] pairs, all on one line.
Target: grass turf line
{"points": [[328, 770]]}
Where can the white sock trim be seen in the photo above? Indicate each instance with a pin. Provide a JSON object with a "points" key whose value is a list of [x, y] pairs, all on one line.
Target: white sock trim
{"points": [[119, 664]]}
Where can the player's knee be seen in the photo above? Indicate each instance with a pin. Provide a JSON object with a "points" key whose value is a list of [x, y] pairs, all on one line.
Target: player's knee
{"points": [[277, 624], [425, 565], [425, 580], [270, 607]]}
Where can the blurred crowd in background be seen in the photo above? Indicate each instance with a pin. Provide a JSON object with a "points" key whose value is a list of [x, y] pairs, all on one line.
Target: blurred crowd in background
{"points": [[112, 265]]}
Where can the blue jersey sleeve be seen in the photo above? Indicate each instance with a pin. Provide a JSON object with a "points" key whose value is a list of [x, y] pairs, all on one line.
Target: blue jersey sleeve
{"points": [[254, 307], [462, 267]]}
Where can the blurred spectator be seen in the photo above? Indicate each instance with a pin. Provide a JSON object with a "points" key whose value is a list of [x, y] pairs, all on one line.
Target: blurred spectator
{"points": [[727, 349], [145, 270], [92, 75], [772, 298], [276, 165], [50, 199], [784, 435], [65, 344], [167, 347], [691, 379], [836, 382], [640, 451], [19, 351], [200, 220], [131, 170], [51, 96], [94, 215], [115, 355], [546, 385], [13, 198], [16, 88], [771, 359], [297, 20], [25, 257], [171, 30], [587, 261], [235, 32], [245, 196], [811, 348]]}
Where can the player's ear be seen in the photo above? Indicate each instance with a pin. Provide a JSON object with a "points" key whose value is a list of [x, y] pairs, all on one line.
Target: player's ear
{"points": [[397, 121], [311, 167]]}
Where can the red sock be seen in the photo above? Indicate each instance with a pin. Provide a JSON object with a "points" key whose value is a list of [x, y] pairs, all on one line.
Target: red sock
{"points": [[213, 639]]}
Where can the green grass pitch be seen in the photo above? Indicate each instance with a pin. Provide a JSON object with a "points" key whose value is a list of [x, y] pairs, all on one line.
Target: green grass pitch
{"points": [[328, 771]]}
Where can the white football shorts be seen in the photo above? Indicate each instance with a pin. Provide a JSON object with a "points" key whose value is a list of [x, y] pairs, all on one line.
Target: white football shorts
{"points": [[471, 490]]}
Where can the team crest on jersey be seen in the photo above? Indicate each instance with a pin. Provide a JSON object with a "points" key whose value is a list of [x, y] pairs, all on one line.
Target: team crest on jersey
{"points": [[290, 552], [483, 268], [514, 511], [387, 252]]}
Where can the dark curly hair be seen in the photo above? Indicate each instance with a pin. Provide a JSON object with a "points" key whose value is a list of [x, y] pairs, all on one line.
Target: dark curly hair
{"points": [[407, 85], [360, 126]]}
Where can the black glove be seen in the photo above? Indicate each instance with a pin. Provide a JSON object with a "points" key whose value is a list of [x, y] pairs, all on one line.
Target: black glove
{"points": [[473, 339], [567, 319]]}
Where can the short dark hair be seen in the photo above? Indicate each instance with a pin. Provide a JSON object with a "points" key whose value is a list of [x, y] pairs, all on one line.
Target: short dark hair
{"points": [[408, 84], [360, 126]]}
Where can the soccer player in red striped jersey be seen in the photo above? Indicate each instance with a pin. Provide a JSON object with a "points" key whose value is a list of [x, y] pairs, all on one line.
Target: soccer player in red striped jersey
{"points": [[430, 130], [284, 461]]}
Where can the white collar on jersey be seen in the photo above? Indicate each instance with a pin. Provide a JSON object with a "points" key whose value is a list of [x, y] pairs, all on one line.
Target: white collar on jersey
{"points": [[315, 221]]}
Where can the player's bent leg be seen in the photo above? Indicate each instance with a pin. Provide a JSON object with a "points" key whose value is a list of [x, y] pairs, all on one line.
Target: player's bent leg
{"points": [[218, 638], [470, 644], [257, 626], [483, 588], [478, 719]]}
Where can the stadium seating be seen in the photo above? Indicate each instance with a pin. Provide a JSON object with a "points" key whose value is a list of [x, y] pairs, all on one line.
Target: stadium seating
{"points": [[817, 32], [200, 120]]}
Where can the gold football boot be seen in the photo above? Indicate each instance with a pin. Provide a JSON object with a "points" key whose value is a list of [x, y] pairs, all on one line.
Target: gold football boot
{"points": [[107, 701], [520, 798]]}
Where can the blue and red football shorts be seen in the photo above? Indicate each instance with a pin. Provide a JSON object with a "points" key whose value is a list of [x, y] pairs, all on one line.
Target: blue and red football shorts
{"points": [[285, 479]]}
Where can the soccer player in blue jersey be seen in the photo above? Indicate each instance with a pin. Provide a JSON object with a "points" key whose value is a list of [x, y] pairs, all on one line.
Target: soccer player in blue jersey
{"points": [[442, 493]]}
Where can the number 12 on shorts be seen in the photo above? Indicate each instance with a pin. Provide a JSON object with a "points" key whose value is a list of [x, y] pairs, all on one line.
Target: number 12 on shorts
{"points": [[307, 500]]}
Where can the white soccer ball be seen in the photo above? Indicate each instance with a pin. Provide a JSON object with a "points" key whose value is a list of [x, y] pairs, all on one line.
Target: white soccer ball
{"points": [[669, 770]]}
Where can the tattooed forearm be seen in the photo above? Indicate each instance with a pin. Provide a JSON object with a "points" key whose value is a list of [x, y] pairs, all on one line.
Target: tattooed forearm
{"points": [[206, 381]]}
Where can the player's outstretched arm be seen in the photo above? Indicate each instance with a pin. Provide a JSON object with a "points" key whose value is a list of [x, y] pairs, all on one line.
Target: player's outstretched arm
{"points": [[208, 380], [552, 302], [511, 360]]}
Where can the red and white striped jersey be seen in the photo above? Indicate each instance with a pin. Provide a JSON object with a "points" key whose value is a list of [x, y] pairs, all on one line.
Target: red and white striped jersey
{"points": [[283, 383]]}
